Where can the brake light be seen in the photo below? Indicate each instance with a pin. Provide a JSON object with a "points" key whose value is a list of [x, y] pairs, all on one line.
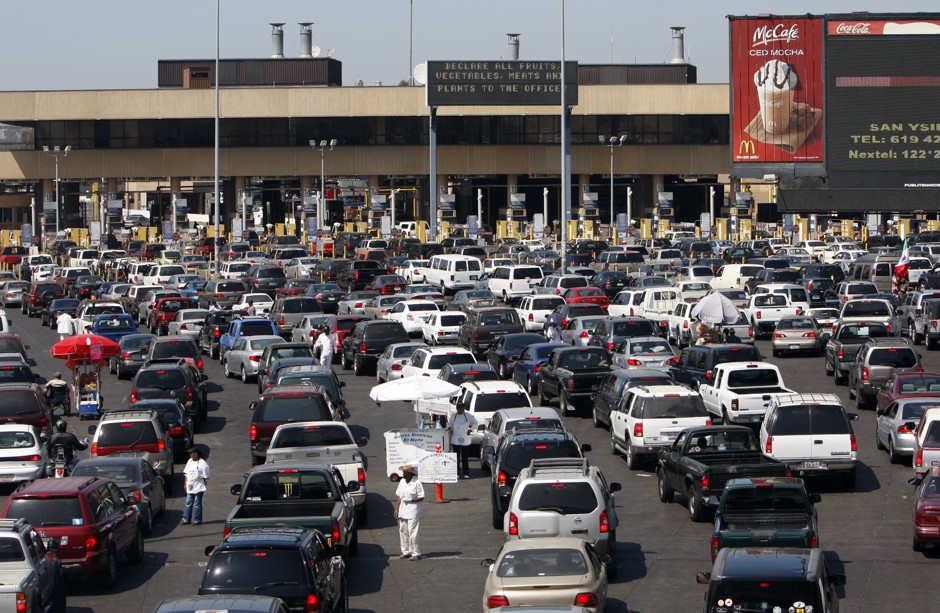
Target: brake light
{"points": [[176, 431], [199, 363], [253, 433], [161, 445], [513, 524], [189, 394], [769, 447], [750, 331], [610, 345], [362, 348], [225, 531], [708, 376], [735, 404], [865, 373], [809, 335], [758, 314], [313, 604], [217, 332], [920, 368], [638, 430], [20, 602], [571, 384], [335, 532], [634, 362], [841, 352], [604, 523], [133, 396], [903, 429], [361, 476], [280, 321], [777, 335], [585, 599], [706, 482], [90, 543], [854, 443], [493, 602], [501, 478], [537, 368], [813, 541], [919, 458], [136, 495], [714, 547], [126, 355]]}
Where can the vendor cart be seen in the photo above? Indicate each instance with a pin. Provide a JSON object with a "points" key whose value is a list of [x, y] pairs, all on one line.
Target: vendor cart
{"points": [[85, 354], [86, 377]]}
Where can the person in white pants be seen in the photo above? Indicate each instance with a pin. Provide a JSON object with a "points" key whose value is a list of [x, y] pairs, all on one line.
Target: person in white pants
{"points": [[408, 508], [63, 325], [324, 346]]}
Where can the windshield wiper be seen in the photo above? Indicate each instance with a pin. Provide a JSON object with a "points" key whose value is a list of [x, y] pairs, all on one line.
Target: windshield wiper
{"points": [[558, 510], [265, 586]]}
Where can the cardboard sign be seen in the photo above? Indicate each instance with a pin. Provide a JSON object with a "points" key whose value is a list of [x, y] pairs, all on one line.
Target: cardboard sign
{"points": [[438, 468], [409, 445]]}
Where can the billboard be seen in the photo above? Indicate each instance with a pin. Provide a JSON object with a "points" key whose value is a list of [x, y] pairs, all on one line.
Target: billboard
{"points": [[500, 83], [883, 92], [776, 93]]}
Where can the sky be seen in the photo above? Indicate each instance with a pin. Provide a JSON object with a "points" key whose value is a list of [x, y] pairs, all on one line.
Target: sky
{"points": [[115, 44]]}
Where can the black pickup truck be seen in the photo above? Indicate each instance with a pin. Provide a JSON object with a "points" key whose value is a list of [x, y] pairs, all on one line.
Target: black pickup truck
{"points": [[772, 512], [304, 494], [573, 375], [842, 347], [702, 460], [358, 274], [286, 562]]}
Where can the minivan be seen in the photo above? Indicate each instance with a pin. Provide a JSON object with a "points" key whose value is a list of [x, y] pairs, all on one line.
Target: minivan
{"points": [[511, 282], [453, 272]]}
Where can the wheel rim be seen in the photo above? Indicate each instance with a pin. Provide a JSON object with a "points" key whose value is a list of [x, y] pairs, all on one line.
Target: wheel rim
{"points": [[244, 375]]}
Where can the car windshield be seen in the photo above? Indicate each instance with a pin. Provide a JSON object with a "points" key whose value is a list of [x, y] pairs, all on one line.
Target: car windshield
{"points": [[558, 497], [254, 568], [312, 436], [47, 511], [300, 407], [898, 358], [542, 562]]}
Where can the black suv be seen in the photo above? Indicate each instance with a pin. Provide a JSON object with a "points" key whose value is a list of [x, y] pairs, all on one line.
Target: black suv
{"points": [[516, 451], [174, 379], [292, 564], [265, 279], [368, 339], [213, 328], [696, 363]]}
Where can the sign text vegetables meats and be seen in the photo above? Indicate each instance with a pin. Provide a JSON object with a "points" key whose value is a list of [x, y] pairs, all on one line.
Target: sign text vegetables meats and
{"points": [[469, 83]]}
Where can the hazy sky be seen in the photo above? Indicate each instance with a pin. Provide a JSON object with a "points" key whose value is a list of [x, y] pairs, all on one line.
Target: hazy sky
{"points": [[115, 44]]}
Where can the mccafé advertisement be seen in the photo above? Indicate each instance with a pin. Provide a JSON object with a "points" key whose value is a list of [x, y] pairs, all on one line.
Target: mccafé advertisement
{"points": [[776, 90]]}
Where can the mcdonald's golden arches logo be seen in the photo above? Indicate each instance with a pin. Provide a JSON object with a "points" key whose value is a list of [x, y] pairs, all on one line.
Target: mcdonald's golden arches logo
{"points": [[747, 147]]}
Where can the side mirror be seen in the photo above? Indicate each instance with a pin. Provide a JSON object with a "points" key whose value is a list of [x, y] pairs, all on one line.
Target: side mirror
{"points": [[342, 384], [91, 429], [481, 428], [615, 487], [586, 447], [910, 425], [208, 550], [362, 441], [252, 405], [353, 486], [853, 416], [489, 450], [815, 498], [236, 489], [703, 578], [838, 579], [713, 502], [487, 562], [52, 545]]}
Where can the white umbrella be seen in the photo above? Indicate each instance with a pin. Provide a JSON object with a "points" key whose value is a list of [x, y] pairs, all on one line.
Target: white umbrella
{"points": [[413, 388], [715, 309]]}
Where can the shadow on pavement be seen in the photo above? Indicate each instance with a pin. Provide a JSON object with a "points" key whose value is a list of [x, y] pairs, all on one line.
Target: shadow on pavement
{"points": [[130, 576], [213, 425], [380, 512], [368, 565], [631, 563]]}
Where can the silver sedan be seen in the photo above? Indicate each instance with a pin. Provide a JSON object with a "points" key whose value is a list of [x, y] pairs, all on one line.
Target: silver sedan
{"points": [[305, 330], [891, 426], [393, 360], [245, 354], [355, 302], [187, 322], [11, 292], [794, 334], [644, 352], [580, 329]]}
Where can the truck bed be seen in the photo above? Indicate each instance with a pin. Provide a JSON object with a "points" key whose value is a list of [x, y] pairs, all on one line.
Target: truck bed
{"points": [[754, 391], [309, 513], [761, 522]]}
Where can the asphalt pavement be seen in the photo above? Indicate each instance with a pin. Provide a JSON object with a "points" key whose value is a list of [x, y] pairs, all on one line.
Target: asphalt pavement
{"points": [[865, 533]]}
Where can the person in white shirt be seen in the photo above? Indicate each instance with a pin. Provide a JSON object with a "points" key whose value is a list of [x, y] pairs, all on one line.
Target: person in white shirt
{"points": [[408, 508], [63, 325], [195, 474], [324, 346], [461, 427]]}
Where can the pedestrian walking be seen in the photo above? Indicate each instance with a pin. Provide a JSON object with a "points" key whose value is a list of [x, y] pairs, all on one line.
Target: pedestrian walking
{"points": [[552, 327], [408, 509], [324, 345], [461, 428], [63, 325], [195, 474]]}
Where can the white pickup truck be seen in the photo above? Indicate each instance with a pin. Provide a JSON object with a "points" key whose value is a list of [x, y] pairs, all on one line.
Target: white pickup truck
{"points": [[32, 574], [763, 311], [658, 304], [329, 442], [741, 392]]}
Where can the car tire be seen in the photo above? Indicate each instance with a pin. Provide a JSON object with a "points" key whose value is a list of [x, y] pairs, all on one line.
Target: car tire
{"points": [[916, 545], [837, 378], [244, 374], [357, 367], [633, 462], [912, 333], [696, 512], [725, 418], [529, 387], [543, 398], [878, 444], [344, 362], [135, 554], [504, 371], [829, 369], [213, 352], [564, 405], [930, 343], [595, 420], [614, 450], [497, 518], [893, 456], [58, 603], [147, 519], [107, 576], [666, 493]]}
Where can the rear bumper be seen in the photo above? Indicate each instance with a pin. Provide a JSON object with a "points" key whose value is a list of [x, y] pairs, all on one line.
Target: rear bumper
{"points": [[799, 468], [14, 473], [90, 564]]}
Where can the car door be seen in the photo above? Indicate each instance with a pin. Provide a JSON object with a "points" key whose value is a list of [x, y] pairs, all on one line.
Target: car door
{"points": [[886, 392], [604, 398], [791, 434], [153, 488], [883, 423]]}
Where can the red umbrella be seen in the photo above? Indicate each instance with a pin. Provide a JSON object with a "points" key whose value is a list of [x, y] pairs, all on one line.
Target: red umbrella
{"points": [[85, 348]]}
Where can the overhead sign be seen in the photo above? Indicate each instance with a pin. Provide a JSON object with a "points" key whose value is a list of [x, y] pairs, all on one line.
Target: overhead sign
{"points": [[487, 83], [448, 202], [776, 92]]}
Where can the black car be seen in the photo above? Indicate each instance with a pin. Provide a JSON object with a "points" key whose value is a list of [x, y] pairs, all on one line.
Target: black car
{"points": [[139, 482], [131, 355], [821, 291], [48, 314], [824, 271], [611, 389], [174, 379], [85, 286], [366, 342], [460, 373], [328, 295], [265, 279], [345, 243], [590, 247], [16, 372], [611, 282], [330, 269], [696, 362], [516, 450], [507, 348], [214, 326], [176, 423]]}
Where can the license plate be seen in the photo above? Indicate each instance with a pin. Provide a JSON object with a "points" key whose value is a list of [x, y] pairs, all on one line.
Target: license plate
{"points": [[331, 299], [473, 277], [813, 466], [794, 347], [668, 435], [6, 478], [756, 418], [127, 454]]}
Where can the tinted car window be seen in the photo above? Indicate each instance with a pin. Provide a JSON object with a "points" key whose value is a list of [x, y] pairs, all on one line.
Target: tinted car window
{"points": [[255, 567], [674, 407], [15, 374], [175, 350], [384, 333], [438, 361], [293, 408], [899, 358], [828, 420], [162, 379], [314, 436], [17, 402], [270, 273], [126, 434], [565, 498], [791, 421], [304, 305], [53, 511], [754, 377], [737, 354], [15, 440], [520, 456], [633, 328], [255, 328], [494, 402], [230, 286], [866, 309], [11, 550]]}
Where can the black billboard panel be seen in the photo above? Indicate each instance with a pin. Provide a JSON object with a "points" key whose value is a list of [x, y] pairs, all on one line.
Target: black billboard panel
{"points": [[509, 83]]}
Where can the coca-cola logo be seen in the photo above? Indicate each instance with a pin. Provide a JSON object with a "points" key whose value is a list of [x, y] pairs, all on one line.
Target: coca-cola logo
{"points": [[765, 35], [853, 28]]}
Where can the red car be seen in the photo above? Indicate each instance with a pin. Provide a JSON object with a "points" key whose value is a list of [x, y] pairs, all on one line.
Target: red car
{"points": [[387, 285], [165, 309], [906, 385], [39, 295], [12, 255], [586, 295], [294, 287], [341, 326], [927, 510], [151, 250]]}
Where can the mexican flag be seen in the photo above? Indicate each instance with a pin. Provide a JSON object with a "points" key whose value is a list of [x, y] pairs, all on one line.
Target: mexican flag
{"points": [[900, 269]]}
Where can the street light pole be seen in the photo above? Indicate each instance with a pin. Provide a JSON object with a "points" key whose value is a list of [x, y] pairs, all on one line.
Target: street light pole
{"points": [[218, 14], [612, 142], [55, 151], [321, 201]]}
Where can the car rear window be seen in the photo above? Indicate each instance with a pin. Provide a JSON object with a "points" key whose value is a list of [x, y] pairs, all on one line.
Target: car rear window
{"points": [[534, 422], [289, 352], [736, 354], [501, 318], [898, 358], [558, 497], [753, 377], [47, 511], [293, 408], [165, 379], [256, 328], [765, 499], [270, 273], [634, 328], [828, 419], [520, 455], [18, 402], [527, 272], [430, 306], [866, 309], [303, 305], [174, 349], [581, 310], [673, 407], [488, 403], [386, 332], [452, 320], [791, 421], [438, 361], [16, 440], [312, 436], [119, 473], [11, 550], [569, 282], [255, 566], [932, 438], [126, 434], [231, 286], [580, 360]]}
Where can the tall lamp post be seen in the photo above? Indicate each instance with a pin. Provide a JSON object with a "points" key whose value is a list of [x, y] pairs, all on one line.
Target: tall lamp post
{"points": [[55, 152], [612, 142], [322, 145]]}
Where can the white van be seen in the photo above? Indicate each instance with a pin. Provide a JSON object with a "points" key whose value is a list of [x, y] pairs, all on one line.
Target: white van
{"points": [[234, 270], [453, 272], [734, 276], [409, 229], [510, 282]]}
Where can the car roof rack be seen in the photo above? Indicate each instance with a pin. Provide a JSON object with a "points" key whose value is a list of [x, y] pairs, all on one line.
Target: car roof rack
{"points": [[581, 465], [165, 361], [13, 523]]}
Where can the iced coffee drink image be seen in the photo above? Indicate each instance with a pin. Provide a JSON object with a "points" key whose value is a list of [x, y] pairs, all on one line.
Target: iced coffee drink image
{"points": [[775, 83]]}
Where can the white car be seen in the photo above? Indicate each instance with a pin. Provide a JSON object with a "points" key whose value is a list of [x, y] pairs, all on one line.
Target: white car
{"points": [[84, 257], [412, 314], [413, 270], [300, 268], [44, 272], [187, 322], [626, 303], [534, 309], [256, 304], [442, 328], [393, 360], [89, 310], [693, 291], [428, 362], [160, 274], [23, 456]]}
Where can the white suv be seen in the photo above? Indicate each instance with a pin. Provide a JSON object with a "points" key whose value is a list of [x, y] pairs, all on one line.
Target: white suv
{"points": [[649, 418], [534, 309], [483, 398]]}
